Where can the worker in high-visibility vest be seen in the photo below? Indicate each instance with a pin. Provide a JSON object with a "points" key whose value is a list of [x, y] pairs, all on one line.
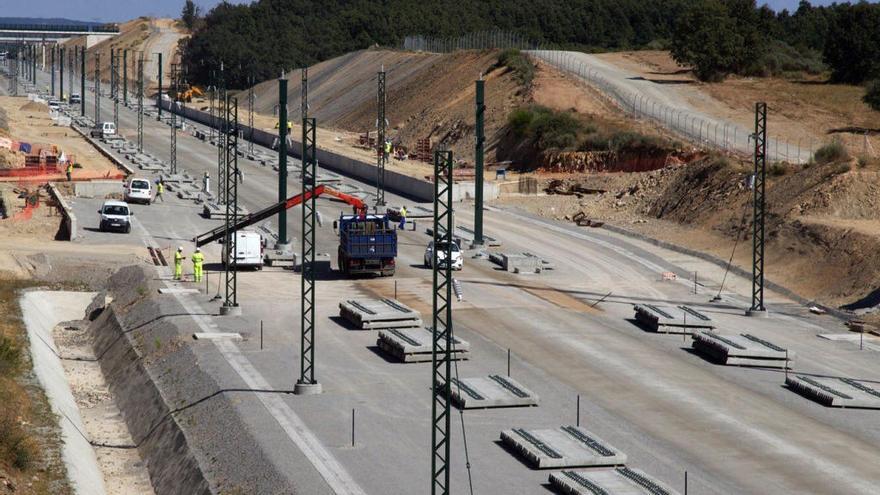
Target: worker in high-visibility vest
{"points": [[387, 148], [402, 218], [197, 258], [178, 263], [160, 189], [69, 171]]}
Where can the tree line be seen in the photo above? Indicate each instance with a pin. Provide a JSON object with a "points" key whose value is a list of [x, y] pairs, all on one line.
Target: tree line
{"points": [[717, 37]]}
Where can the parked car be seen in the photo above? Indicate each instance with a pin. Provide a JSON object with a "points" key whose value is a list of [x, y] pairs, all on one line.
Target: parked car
{"points": [[103, 130], [115, 215], [75, 99], [54, 104], [440, 257]]}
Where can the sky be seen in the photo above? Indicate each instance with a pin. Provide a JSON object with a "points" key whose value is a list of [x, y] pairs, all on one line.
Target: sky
{"points": [[123, 10]]}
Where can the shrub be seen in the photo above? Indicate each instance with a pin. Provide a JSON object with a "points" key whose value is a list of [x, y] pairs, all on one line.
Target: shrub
{"points": [[831, 152], [778, 169], [522, 68], [872, 94], [547, 128], [10, 355], [555, 130], [519, 121]]}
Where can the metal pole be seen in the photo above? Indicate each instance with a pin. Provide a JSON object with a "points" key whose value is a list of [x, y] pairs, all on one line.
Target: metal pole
{"points": [[82, 84], [758, 208], [53, 70], [221, 136], [478, 161], [140, 102], [175, 81], [252, 97], [441, 359], [97, 87], [230, 158], [159, 94], [283, 241], [307, 383], [61, 73], [381, 156], [125, 77]]}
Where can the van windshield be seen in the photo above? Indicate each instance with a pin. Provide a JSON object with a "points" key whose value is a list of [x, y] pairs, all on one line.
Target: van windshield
{"points": [[115, 210], [140, 184]]}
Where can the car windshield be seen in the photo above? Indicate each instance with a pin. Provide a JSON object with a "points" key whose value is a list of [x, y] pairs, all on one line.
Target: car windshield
{"points": [[443, 246], [140, 184], [115, 210]]}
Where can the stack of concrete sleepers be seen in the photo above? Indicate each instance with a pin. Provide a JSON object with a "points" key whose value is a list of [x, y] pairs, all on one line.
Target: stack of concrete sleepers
{"points": [[680, 319], [564, 447], [492, 391], [741, 350], [415, 345], [379, 313], [617, 481], [836, 391]]}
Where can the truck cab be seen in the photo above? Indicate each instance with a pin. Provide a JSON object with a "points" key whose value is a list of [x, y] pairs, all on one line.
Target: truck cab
{"points": [[367, 245]]}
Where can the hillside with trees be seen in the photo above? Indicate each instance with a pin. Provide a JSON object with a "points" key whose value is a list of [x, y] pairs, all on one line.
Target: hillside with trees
{"points": [[716, 37]]}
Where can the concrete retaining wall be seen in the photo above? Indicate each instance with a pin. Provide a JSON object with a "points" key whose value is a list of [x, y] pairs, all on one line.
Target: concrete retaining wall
{"points": [[400, 184], [97, 188], [101, 149], [68, 222]]}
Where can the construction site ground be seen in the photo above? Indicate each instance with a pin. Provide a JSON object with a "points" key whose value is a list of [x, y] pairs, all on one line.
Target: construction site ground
{"points": [[734, 430]]}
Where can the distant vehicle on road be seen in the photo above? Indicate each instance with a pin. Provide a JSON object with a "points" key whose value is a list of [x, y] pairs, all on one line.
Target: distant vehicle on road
{"points": [[75, 99], [54, 104], [115, 215], [249, 248], [139, 191], [440, 256], [103, 130]]}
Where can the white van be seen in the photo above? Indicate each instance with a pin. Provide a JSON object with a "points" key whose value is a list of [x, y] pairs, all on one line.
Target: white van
{"points": [[249, 246], [103, 130], [139, 191], [115, 215]]}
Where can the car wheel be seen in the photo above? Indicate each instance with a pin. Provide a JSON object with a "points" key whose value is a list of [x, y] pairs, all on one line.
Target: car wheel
{"points": [[128, 229]]}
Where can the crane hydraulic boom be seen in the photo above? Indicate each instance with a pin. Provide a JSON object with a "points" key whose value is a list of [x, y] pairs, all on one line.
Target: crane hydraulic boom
{"points": [[252, 218]]}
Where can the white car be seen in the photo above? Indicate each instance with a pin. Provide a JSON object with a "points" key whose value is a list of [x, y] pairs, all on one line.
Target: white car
{"points": [[75, 99], [139, 191], [457, 258], [115, 215], [54, 104]]}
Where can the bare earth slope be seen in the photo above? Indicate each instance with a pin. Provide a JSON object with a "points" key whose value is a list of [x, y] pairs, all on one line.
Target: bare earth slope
{"points": [[428, 95]]}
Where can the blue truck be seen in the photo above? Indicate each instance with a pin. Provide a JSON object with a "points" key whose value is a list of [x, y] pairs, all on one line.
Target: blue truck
{"points": [[367, 244]]}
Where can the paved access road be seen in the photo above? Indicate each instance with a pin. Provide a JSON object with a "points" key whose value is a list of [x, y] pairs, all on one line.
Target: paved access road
{"points": [[734, 430]]}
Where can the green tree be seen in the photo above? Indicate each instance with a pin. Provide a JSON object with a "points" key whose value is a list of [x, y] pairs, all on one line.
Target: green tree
{"points": [[852, 45], [872, 95], [718, 37], [190, 14]]}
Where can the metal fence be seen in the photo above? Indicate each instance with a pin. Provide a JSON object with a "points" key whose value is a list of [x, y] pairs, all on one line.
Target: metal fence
{"points": [[480, 40], [700, 129]]}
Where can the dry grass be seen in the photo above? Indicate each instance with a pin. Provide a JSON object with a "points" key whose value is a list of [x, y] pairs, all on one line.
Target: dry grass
{"points": [[29, 438]]}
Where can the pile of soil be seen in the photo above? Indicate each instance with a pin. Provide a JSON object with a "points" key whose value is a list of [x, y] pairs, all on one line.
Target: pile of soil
{"points": [[34, 106], [11, 159]]}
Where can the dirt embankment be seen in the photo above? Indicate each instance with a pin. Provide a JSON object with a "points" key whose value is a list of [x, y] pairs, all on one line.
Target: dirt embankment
{"points": [[428, 96], [144, 34]]}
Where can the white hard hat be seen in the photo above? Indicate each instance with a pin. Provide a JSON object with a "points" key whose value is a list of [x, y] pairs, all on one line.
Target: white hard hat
{"points": [[198, 250], [180, 248]]}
